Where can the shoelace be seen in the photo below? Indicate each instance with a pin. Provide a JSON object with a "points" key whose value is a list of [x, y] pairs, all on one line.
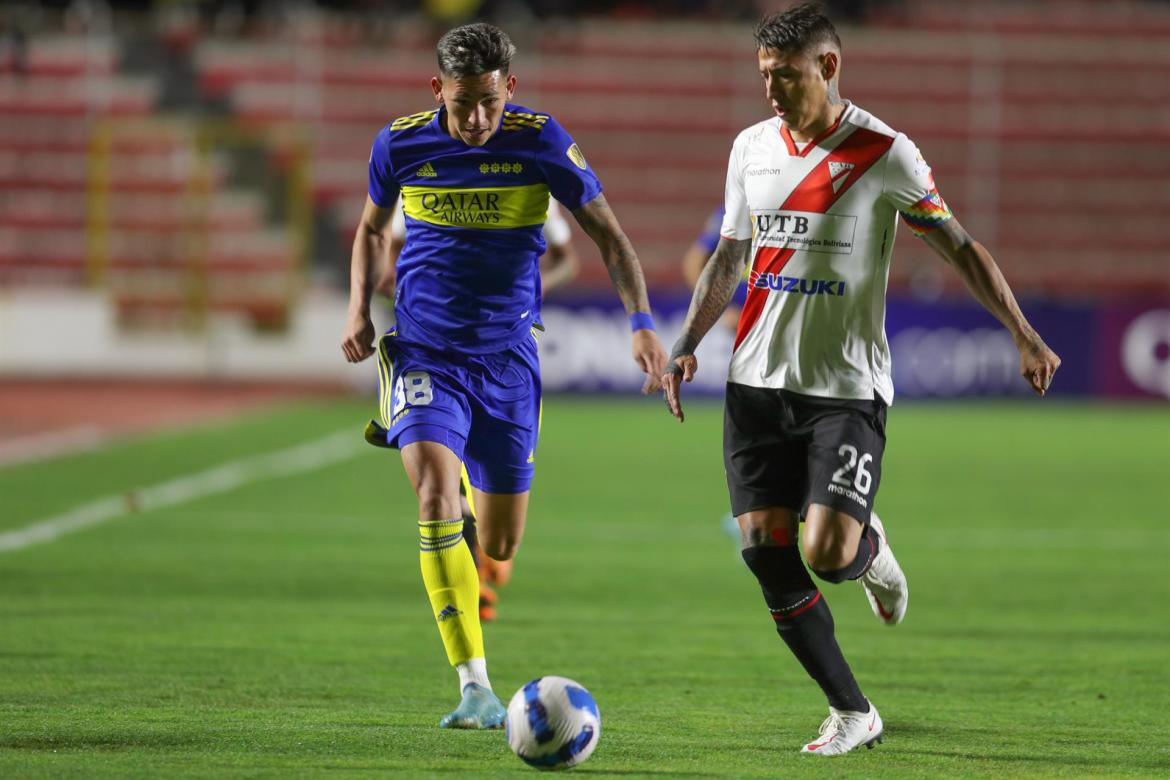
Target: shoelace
{"points": [[832, 726]]}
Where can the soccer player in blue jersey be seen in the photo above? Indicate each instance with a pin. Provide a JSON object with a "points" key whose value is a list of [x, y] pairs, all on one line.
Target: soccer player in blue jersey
{"points": [[460, 376]]}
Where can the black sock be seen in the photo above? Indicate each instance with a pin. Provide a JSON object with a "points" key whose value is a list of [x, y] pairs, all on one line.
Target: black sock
{"points": [[804, 622], [867, 550]]}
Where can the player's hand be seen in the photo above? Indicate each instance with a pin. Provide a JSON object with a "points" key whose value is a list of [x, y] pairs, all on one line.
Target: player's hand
{"points": [[682, 369], [650, 356], [1038, 363], [358, 343]]}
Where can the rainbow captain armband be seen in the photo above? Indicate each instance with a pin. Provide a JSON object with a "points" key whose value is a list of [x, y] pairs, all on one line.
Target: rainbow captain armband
{"points": [[641, 320], [927, 214]]}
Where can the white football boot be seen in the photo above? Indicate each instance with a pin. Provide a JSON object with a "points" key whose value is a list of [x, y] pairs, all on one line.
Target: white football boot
{"points": [[844, 730], [885, 584]]}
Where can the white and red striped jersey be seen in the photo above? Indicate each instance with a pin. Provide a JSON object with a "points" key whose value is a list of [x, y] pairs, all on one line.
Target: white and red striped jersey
{"points": [[822, 219]]}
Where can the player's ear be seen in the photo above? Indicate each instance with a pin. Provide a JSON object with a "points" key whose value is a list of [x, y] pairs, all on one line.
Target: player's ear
{"points": [[510, 86], [830, 65], [437, 88]]}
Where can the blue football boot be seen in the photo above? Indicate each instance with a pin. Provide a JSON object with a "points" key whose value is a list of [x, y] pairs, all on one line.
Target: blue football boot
{"points": [[479, 709]]}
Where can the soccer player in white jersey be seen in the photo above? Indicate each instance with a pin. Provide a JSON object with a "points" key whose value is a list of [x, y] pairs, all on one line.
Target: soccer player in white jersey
{"points": [[813, 196]]}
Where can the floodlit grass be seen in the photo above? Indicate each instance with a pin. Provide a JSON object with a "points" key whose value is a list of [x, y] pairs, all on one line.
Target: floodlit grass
{"points": [[281, 629]]}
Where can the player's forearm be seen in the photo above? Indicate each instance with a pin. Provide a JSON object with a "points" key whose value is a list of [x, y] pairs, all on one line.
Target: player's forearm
{"points": [[983, 278], [368, 246], [599, 223], [713, 291], [625, 272]]}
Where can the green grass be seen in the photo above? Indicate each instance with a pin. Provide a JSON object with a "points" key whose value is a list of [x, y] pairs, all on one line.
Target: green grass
{"points": [[281, 629]]}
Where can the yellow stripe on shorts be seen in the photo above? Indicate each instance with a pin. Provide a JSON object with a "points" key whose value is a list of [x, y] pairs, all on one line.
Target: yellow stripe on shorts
{"points": [[385, 377]]}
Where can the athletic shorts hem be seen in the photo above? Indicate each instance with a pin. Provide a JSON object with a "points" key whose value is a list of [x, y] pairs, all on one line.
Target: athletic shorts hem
{"points": [[503, 486], [429, 432], [762, 502]]}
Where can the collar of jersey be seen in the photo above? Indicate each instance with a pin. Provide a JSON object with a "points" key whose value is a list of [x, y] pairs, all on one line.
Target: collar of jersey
{"points": [[828, 131], [441, 132]]}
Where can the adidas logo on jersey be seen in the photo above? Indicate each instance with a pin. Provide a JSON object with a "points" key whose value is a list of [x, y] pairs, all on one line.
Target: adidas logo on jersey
{"points": [[838, 173], [427, 170]]}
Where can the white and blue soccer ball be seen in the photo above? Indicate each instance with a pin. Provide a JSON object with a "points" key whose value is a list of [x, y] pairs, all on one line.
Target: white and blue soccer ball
{"points": [[553, 723]]}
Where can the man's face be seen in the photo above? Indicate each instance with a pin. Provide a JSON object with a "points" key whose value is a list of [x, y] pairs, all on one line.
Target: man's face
{"points": [[474, 104], [796, 84]]}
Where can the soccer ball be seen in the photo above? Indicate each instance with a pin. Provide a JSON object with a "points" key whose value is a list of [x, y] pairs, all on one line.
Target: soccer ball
{"points": [[553, 723]]}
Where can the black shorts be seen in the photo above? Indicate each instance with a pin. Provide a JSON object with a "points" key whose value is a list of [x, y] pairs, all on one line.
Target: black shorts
{"points": [[784, 449]]}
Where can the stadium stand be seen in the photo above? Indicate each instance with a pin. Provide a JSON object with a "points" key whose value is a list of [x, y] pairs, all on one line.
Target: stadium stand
{"points": [[96, 190], [1043, 123], [992, 101]]}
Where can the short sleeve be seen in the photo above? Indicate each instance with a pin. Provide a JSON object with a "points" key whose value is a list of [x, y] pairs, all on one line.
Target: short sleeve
{"points": [[569, 177], [737, 223], [556, 228], [909, 187], [383, 185], [398, 221]]}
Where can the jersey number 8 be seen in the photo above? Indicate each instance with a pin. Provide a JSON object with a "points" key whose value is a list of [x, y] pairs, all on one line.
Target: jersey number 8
{"points": [[412, 389]]}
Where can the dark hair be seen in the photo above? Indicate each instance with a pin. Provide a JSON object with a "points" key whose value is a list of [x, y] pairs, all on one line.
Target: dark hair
{"points": [[474, 49], [797, 29]]}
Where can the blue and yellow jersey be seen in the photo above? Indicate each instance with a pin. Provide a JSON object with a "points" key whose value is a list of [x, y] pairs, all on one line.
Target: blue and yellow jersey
{"points": [[469, 275]]}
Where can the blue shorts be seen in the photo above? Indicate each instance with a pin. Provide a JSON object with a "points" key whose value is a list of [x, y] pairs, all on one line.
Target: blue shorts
{"points": [[484, 408]]}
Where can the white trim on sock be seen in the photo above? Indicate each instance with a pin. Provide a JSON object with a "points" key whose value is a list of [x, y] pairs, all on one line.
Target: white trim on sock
{"points": [[473, 671]]}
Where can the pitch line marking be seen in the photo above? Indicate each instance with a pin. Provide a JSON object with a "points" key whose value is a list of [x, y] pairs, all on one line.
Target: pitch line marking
{"points": [[310, 456]]}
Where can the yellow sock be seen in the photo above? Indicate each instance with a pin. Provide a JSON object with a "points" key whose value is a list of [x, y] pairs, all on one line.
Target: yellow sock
{"points": [[453, 587]]}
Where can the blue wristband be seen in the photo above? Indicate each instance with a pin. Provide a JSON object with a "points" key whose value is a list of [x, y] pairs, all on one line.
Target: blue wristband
{"points": [[640, 320]]}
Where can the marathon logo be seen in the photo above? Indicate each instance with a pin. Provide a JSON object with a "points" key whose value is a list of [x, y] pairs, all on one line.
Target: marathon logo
{"points": [[849, 493], [804, 231], [794, 284]]}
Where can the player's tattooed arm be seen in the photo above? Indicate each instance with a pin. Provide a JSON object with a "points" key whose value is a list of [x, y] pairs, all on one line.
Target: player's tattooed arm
{"points": [[370, 244], [599, 223], [714, 290], [979, 271]]}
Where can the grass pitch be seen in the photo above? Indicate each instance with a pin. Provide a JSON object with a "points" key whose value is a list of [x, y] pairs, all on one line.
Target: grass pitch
{"points": [[280, 629]]}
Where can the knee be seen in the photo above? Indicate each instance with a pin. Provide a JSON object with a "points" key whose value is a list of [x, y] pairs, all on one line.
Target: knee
{"points": [[498, 547], [434, 504], [826, 554], [758, 530]]}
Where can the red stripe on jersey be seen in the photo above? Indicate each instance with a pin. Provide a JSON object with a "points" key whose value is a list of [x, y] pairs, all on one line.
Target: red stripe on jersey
{"points": [[814, 194], [787, 136]]}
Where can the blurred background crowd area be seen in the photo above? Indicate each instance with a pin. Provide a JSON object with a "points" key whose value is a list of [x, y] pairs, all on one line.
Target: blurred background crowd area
{"points": [[173, 162]]}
